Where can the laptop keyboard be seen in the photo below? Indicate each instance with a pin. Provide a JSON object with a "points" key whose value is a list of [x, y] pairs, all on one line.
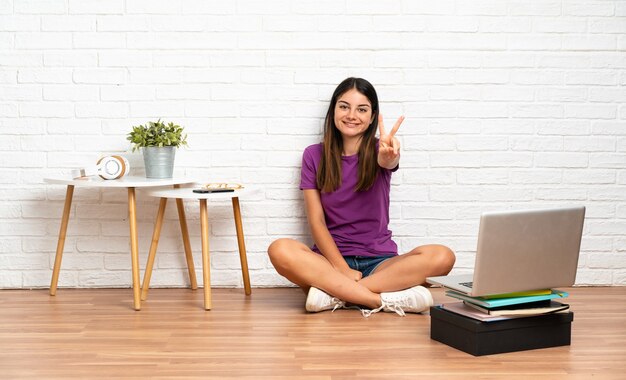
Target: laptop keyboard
{"points": [[468, 284]]}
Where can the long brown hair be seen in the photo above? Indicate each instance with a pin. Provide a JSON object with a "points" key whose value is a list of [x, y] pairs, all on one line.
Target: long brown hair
{"points": [[329, 172]]}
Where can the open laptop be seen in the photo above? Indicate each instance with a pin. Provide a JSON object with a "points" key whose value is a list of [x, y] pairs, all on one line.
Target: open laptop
{"points": [[521, 251]]}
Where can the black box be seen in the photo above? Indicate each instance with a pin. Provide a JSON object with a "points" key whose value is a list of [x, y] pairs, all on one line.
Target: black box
{"points": [[485, 338]]}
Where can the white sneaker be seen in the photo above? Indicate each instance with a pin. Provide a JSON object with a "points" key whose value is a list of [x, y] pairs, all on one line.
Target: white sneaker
{"points": [[413, 300], [318, 300]]}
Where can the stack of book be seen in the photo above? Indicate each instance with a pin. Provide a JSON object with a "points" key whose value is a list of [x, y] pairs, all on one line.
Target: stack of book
{"points": [[507, 306]]}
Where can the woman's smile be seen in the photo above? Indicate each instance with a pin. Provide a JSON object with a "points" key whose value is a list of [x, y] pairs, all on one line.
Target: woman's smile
{"points": [[352, 125]]}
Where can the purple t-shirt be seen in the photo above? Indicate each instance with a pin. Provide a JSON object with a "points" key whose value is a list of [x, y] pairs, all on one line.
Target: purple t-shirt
{"points": [[357, 220]]}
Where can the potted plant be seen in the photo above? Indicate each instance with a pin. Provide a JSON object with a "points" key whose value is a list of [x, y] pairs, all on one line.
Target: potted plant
{"points": [[158, 142]]}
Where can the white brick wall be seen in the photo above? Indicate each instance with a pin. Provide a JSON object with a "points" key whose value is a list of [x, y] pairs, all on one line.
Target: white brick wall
{"points": [[509, 104]]}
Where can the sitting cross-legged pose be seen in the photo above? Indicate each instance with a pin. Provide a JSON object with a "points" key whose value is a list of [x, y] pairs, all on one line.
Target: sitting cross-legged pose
{"points": [[346, 181]]}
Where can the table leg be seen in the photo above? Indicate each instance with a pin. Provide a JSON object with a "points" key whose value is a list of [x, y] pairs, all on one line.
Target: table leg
{"points": [[153, 248], [206, 264], [134, 247], [61, 242], [242, 246], [185, 232]]}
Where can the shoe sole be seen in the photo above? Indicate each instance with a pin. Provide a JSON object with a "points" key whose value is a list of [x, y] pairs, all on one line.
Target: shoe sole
{"points": [[311, 298]]}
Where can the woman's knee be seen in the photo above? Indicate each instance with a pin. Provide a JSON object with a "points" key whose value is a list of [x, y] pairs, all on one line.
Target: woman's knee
{"points": [[281, 252], [444, 259], [277, 247]]}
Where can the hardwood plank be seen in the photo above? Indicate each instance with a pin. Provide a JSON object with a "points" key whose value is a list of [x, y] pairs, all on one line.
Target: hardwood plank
{"points": [[94, 333]]}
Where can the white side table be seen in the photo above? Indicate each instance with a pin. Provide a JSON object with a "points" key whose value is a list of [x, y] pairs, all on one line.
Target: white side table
{"points": [[130, 183], [187, 193]]}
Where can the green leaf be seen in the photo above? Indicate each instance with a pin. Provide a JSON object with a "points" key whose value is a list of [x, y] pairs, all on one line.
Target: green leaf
{"points": [[157, 134]]}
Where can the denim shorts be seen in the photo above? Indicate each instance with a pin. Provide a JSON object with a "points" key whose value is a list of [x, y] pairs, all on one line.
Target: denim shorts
{"points": [[365, 265]]}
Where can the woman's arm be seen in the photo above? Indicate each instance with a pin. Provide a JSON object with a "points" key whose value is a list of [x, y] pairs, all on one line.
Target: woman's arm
{"points": [[321, 235]]}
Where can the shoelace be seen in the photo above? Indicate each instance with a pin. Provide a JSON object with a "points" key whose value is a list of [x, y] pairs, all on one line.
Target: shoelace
{"points": [[338, 303], [397, 308], [391, 306]]}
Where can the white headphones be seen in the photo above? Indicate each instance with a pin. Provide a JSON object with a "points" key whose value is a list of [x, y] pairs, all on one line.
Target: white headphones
{"points": [[108, 167], [113, 167]]}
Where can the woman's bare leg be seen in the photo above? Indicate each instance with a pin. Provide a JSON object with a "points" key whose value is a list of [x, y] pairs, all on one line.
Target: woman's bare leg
{"points": [[305, 268], [410, 269]]}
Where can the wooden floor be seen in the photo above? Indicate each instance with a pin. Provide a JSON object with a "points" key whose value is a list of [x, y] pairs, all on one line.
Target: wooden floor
{"points": [[95, 333]]}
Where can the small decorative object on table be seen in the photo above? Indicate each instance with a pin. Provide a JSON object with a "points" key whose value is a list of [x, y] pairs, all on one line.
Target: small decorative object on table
{"points": [[218, 188], [222, 185], [159, 142]]}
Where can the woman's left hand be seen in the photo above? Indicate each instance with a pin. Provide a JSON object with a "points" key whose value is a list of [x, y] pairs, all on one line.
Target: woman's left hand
{"points": [[352, 274], [389, 145]]}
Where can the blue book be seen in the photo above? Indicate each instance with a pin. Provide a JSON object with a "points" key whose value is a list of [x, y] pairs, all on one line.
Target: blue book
{"points": [[497, 302]]}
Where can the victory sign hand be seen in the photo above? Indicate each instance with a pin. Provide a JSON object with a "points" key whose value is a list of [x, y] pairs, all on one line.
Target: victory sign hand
{"points": [[389, 145]]}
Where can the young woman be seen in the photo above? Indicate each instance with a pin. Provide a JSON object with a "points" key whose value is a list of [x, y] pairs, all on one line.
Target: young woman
{"points": [[346, 183]]}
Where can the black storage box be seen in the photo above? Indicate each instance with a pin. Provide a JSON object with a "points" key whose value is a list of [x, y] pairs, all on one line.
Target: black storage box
{"points": [[485, 338]]}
